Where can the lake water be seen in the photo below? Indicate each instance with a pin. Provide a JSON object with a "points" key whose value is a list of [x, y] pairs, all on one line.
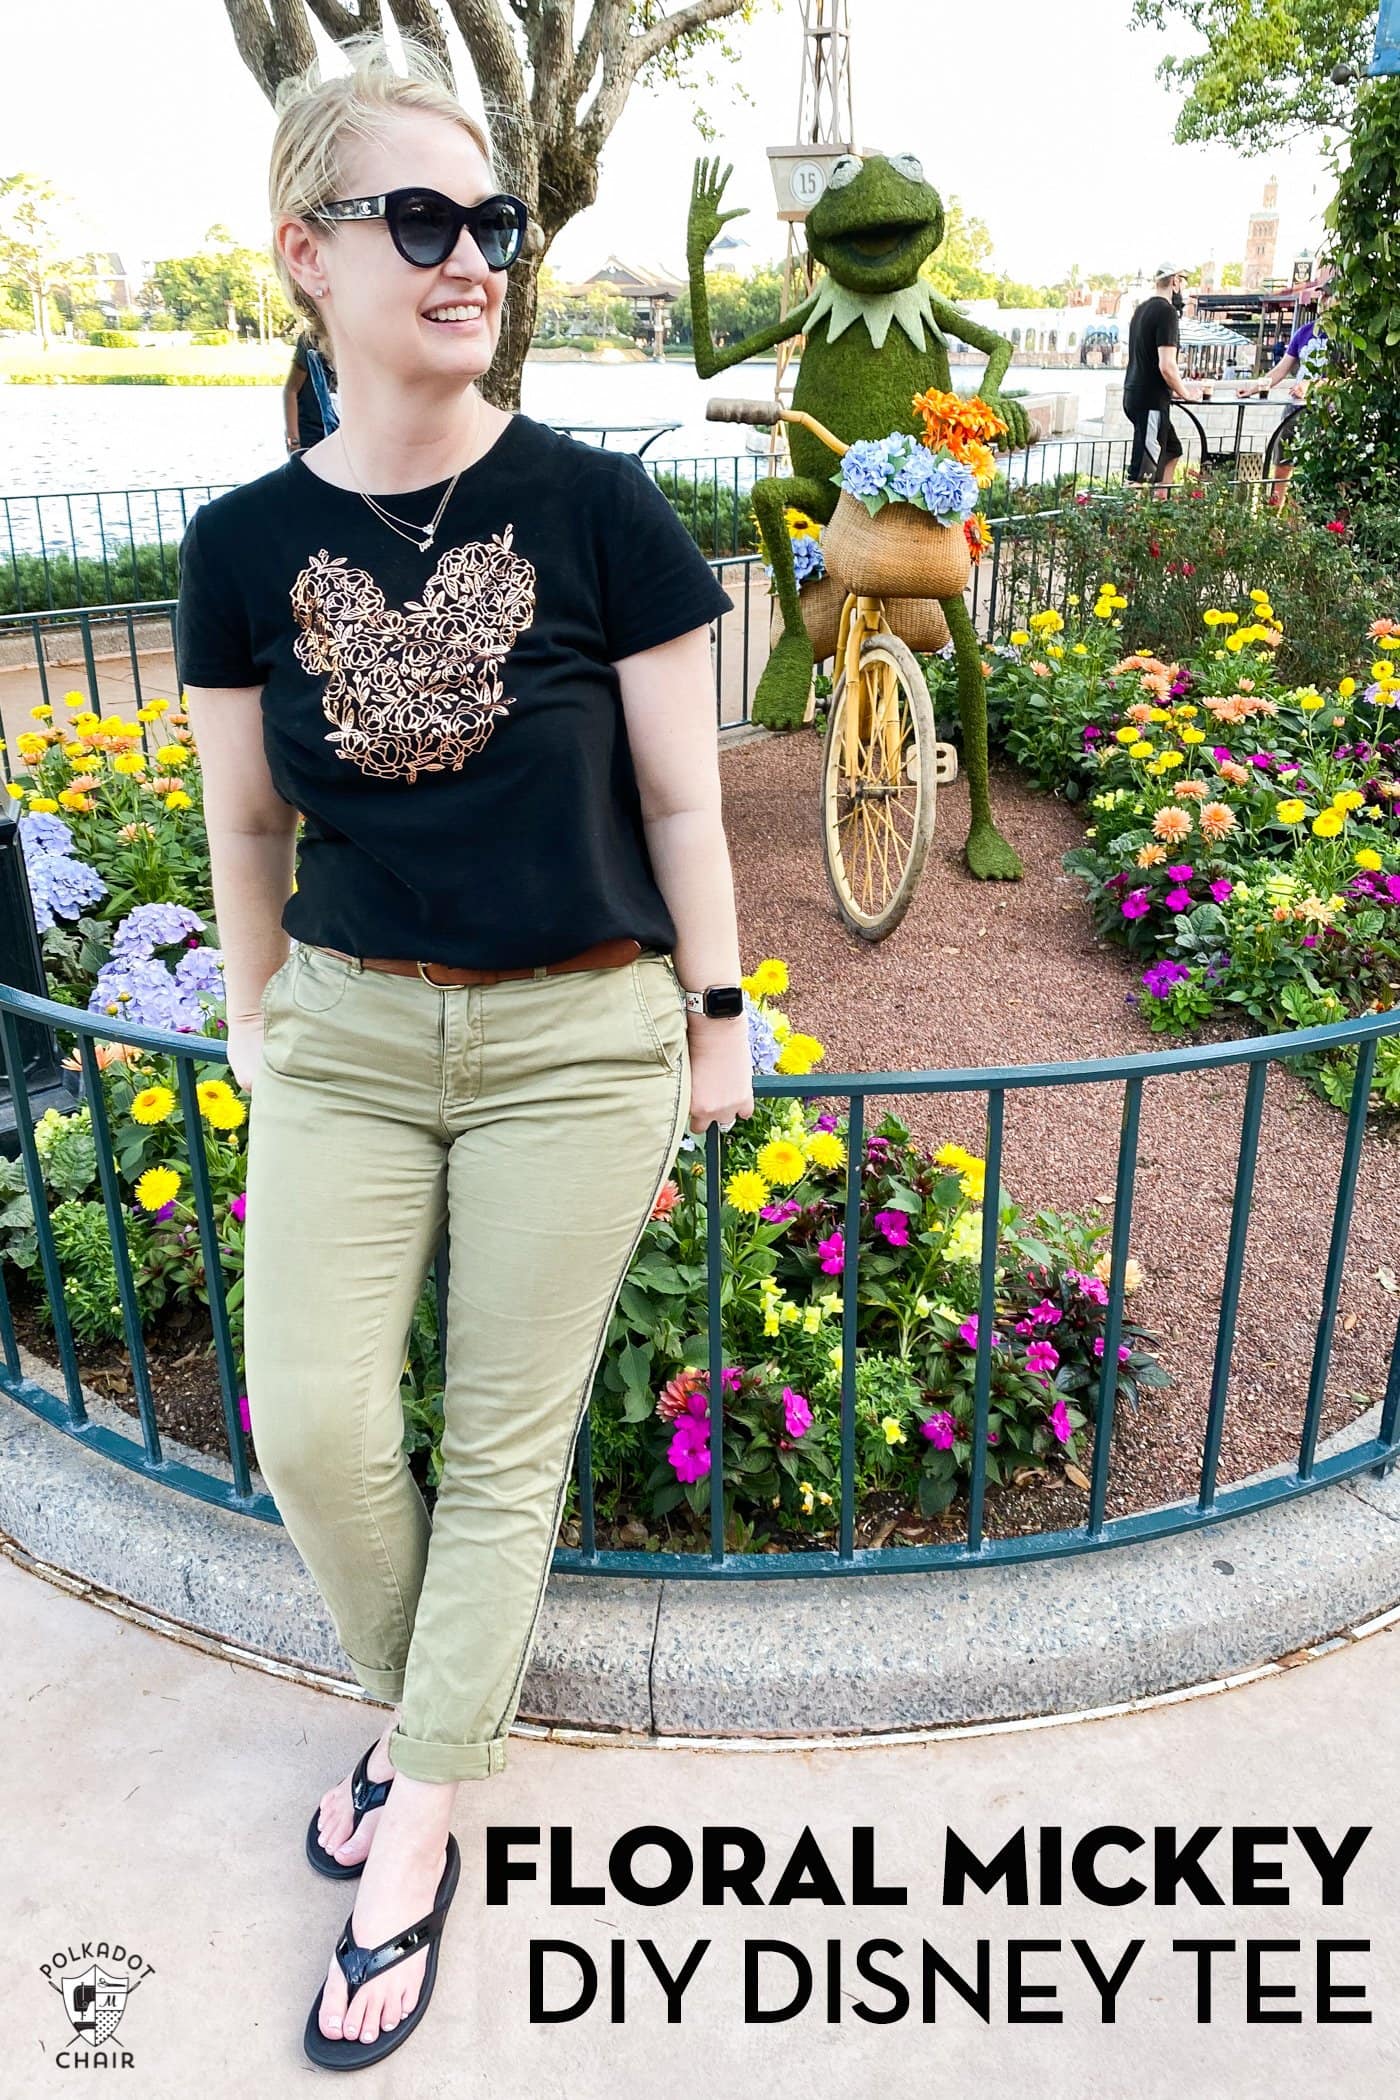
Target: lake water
{"points": [[137, 437]]}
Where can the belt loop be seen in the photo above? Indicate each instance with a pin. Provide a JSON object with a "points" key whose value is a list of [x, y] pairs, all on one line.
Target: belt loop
{"points": [[356, 963], [541, 970]]}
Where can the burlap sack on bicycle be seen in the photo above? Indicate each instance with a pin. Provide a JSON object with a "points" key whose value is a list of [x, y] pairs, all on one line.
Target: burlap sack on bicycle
{"points": [[901, 552]]}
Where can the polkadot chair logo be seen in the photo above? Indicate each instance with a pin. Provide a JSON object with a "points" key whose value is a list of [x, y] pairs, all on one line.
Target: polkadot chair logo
{"points": [[95, 1980]]}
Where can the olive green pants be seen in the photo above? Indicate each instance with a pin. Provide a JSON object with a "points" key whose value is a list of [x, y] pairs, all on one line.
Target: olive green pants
{"points": [[538, 1119]]}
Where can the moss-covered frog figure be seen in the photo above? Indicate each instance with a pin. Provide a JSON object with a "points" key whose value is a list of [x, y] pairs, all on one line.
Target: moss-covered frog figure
{"points": [[874, 333]]}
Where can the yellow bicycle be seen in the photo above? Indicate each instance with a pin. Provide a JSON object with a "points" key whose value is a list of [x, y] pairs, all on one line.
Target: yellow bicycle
{"points": [[881, 760]]}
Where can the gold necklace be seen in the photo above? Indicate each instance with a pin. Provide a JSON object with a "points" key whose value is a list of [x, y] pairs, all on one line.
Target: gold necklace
{"points": [[421, 536]]}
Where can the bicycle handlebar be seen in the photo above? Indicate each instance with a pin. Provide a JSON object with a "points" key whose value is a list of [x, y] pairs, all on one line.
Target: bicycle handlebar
{"points": [[732, 410]]}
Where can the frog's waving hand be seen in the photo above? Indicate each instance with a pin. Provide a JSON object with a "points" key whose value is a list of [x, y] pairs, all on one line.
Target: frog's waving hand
{"points": [[875, 338]]}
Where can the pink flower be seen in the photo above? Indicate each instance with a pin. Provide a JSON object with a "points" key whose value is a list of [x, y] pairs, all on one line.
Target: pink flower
{"points": [[1046, 1314], [832, 1253], [1220, 889], [245, 1419], [1042, 1357], [779, 1213], [1135, 905], [1058, 1419], [1124, 1352], [238, 1208], [968, 1331], [1181, 873], [1178, 900], [895, 1226], [1025, 1328], [689, 1449], [939, 1430], [1089, 1286], [797, 1412]]}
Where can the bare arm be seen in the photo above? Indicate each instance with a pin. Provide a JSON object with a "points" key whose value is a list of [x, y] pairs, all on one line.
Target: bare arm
{"points": [[1284, 369], [1176, 385], [296, 379], [252, 840]]}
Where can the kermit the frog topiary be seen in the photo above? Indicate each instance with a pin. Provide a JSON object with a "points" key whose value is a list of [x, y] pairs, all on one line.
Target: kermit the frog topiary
{"points": [[875, 338]]}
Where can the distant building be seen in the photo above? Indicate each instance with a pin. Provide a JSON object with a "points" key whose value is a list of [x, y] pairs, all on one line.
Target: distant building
{"points": [[1262, 242], [651, 292]]}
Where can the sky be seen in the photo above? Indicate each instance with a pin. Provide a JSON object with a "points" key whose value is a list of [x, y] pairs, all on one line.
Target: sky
{"points": [[143, 112]]}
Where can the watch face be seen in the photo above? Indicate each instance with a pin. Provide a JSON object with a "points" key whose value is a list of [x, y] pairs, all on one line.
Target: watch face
{"points": [[724, 1001]]}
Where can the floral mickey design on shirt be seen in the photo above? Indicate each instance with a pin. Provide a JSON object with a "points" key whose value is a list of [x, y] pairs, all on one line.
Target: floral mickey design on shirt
{"points": [[416, 691]]}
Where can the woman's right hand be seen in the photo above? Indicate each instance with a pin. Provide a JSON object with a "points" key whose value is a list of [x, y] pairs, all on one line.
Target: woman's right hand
{"points": [[245, 1035]]}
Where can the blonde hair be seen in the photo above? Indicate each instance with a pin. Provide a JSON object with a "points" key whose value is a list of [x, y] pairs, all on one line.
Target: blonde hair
{"points": [[315, 118]]}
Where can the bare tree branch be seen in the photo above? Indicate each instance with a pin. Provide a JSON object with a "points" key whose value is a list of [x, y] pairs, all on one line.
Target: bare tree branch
{"points": [[271, 48], [340, 22], [420, 19], [635, 53]]}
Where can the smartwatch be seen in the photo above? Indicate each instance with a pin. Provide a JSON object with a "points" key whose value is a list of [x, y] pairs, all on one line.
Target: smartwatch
{"points": [[722, 1002]]}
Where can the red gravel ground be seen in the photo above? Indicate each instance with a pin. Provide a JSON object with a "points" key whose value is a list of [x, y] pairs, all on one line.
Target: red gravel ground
{"points": [[980, 974]]}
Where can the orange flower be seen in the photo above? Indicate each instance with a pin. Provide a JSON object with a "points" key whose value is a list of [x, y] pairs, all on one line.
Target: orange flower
{"points": [[1378, 628], [1190, 791], [1173, 825], [1217, 821], [1151, 856], [106, 1054], [668, 1199], [84, 783], [678, 1391], [1041, 670], [1234, 772], [1245, 685], [1139, 712]]}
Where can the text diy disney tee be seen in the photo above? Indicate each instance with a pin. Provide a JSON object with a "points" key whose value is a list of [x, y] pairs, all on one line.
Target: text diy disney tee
{"points": [[448, 721]]}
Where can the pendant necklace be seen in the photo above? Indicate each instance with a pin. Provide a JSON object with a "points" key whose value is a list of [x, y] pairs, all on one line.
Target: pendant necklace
{"points": [[421, 536]]}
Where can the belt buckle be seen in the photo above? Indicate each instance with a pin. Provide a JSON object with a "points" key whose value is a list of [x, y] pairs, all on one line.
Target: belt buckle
{"points": [[422, 972]]}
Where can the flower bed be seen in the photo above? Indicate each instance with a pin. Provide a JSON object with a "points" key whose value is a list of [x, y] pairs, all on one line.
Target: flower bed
{"points": [[1245, 833]]}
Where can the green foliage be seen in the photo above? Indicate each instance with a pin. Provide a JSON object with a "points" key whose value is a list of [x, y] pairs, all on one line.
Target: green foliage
{"points": [[1265, 72], [1208, 544], [718, 518], [126, 576], [111, 339], [1348, 451]]}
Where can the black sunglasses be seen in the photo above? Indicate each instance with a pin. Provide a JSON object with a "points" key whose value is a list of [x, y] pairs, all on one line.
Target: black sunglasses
{"points": [[425, 226]]}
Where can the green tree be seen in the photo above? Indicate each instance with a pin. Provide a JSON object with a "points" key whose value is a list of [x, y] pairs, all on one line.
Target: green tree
{"points": [[1348, 453], [960, 268], [224, 285], [1265, 74], [38, 232], [554, 91]]}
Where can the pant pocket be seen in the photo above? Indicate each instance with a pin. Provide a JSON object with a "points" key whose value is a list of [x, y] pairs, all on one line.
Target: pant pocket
{"points": [[660, 1007]]}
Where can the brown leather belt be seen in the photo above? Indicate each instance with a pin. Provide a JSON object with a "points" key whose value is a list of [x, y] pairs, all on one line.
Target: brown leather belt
{"points": [[603, 955]]}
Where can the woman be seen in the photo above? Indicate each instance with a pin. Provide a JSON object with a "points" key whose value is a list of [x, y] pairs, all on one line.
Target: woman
{"points": [[474, 654]]}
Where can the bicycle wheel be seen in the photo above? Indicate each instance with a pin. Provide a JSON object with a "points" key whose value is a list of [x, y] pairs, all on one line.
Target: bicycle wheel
{"points": [[878, 819]]}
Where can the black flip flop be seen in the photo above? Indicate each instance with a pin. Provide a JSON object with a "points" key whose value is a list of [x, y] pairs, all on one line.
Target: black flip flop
{"points": [[358, 1963], [365, 1794]]}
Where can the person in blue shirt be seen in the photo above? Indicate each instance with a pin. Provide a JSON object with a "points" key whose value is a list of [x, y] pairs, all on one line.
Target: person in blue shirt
{"points": [[308, 410], [1300, 359]]}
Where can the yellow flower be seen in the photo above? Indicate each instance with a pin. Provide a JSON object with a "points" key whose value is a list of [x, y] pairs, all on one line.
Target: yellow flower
{"points": [[153, 1104], [1291, 812], [973, 1180], [1310, 702], [14, 791], [811, 1319], [1187, 713], [1158, 714], [160, 707], [893, 1433], [1127, 734], [747, 1191], [825, 1149], [1349, 798], [1347, 688], [1193, 736], [1260, 597], [951, 1156], [174, 754], [1369, 859], [1081, 649], [1390, 641], [1172, 758], [1212, 616], [42, 803], [1054, 649], [1020, 639], [74, 798], [219, 1104], [780, 1160], [1378, 670], [1327, 823], [1046, 622], [157, 1187], [1104, 609], [771, 1323], [128, 762], [1140, 750], [799, 1054], [178, 799], [75, 699], [771, 978], [1229, 619], [42, 713]]}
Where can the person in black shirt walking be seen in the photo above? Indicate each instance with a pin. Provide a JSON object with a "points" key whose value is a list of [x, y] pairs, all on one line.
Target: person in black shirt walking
{"points": [[487, 687], [1153, 382]]}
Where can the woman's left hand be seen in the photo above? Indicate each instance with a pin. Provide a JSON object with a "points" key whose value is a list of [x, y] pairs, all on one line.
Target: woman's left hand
{"points": [[721, 1072]]}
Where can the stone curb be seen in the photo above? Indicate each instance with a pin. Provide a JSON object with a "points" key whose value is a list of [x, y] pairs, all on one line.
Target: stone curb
{"points": [[864, 1654]]}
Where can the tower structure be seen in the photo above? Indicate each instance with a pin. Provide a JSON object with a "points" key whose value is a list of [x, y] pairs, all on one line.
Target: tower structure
{"points": [[825, 130], [1262, 243]]}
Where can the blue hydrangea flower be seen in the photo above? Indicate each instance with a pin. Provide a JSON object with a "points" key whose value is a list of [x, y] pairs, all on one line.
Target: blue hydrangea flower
{"points": [[141, 989], [864, 467], [152, 926], [41, 832], [807, 559], [201, 970], [763, 1044], [951, 491], [59, 887]]}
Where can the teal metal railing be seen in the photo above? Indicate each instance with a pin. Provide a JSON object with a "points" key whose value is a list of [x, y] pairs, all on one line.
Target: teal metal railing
{"points": [[1211, 1504]]}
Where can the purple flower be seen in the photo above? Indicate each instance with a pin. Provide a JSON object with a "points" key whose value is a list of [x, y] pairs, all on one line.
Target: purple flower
{"points": [[1135, 905], [826, 1121], [763, 1044], [877, 1144], [797, 1412], [1058, 1419], [1219, 753], [895, 1226], [1025, 1328], [60, 886], [1181, 873], [1220, 889], [1309, 940], [1261, 758], [1178, 899], [1042, 1357], [939, 1430], [1161, 976], [1091, 733], [779, 1213]]}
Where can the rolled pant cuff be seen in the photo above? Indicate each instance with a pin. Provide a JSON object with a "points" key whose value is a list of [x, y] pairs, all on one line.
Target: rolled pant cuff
{"points": [[446, 1761], [383, 1684]]}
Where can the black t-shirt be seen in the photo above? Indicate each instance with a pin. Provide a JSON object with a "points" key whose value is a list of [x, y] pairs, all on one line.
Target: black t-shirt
{"points": [[1153, 327], [449, 722], [311, 424]]}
